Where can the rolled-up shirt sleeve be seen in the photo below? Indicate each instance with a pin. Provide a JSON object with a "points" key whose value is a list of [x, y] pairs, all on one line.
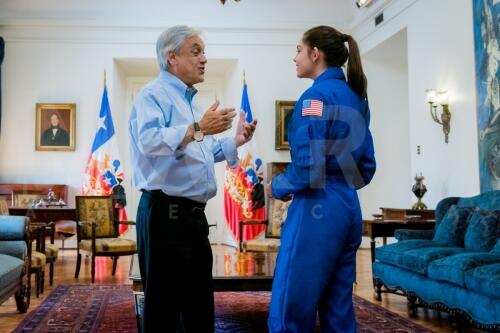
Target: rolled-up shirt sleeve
{"points": [[155, 137], [225, 149]]}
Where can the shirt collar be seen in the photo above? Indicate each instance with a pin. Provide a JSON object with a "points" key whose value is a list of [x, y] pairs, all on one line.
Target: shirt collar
{"points": [[180, 86], [331, 73]]}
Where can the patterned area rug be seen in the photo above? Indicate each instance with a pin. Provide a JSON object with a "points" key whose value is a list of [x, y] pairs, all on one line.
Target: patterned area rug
{"points": [[110, 308]]}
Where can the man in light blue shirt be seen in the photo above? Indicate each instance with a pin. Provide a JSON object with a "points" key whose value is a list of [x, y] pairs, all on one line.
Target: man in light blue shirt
{"points": [[173, 154]]}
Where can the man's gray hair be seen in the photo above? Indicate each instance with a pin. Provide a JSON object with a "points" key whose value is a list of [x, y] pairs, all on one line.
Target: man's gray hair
{"points": [[171, 40]]}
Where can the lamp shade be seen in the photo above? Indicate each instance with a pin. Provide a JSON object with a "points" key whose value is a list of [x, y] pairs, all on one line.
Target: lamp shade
{"points": [[442, 97], [431, 96]]}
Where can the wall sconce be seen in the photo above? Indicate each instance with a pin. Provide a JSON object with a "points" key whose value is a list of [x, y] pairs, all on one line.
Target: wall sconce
{"points": [[435, 98], [363, 3]]}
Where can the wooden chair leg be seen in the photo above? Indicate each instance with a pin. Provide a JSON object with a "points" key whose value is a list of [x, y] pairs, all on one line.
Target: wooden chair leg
{"points": [[115, 260], [78, 263], [37, 283], [241, 237], [22, 297], [93, 268], [42, 280], [51, 273], [29, 280]]}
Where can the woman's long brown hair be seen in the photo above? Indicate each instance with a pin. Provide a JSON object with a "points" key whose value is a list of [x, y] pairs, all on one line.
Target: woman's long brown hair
{"points": [[332, 43]]}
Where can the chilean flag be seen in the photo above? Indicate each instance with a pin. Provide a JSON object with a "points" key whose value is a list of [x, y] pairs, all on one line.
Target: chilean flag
{"points": [[104, 169], [243, 186]]}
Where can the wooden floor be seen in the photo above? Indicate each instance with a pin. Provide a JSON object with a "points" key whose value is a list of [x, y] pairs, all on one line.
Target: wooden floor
{"points": [[64, 273]]}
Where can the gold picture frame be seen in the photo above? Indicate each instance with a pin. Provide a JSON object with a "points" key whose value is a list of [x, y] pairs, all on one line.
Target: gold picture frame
{"points": [[276, 209], [25, 199], [284, 111], [55, 128], [277, 213]]}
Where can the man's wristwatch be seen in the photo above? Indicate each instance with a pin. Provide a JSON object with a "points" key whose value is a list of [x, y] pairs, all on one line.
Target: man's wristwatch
{"points": [[198, 134]]}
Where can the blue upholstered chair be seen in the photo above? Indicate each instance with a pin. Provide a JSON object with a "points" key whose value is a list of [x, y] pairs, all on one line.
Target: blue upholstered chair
{"points": [[15, 258]]}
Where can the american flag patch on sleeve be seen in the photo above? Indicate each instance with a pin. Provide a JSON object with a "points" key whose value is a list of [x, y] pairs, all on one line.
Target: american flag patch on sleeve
{"points": [[312, 107]]}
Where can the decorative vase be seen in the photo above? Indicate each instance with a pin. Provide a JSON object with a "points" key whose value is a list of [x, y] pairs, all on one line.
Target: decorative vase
{"points": [[419, 190]]}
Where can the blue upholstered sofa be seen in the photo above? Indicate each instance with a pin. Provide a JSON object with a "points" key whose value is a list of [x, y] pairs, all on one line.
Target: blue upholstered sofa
{"points": [[453, 268], [14, 260]]}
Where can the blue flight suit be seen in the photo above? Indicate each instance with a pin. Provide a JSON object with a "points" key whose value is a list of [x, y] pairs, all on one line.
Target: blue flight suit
{"points": [[332, 156]]}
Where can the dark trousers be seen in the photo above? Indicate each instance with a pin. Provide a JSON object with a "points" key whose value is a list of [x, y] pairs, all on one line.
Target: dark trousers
{"points": [[175, 260]]}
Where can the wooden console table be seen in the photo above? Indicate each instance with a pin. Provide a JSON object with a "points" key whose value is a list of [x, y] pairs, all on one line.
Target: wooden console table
{"points": [[7, 190], [45, 214]]}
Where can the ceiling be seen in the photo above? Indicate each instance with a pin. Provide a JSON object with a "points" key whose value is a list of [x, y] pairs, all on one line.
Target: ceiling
{"points": [[253, 14]]}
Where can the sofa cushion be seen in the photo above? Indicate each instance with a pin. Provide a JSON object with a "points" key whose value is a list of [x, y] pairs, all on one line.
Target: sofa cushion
{"points": [[392, 253], [484, 280], [496, 248], [405, 234], [38, 260], [262, 245], [482, 231], [10, 270], [451, 230], [417, 260], [104, 245], [453, 268]]}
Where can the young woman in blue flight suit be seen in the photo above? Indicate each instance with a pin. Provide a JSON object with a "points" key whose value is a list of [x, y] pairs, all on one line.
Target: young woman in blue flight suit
{"points": [[332, 156]]}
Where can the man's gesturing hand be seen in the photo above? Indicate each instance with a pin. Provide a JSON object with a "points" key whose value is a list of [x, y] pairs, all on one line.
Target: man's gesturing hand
{"points": [[216, 121]]}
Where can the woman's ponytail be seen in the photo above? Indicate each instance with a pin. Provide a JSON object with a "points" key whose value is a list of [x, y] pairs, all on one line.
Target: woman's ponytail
{"points": [[355, 75]]}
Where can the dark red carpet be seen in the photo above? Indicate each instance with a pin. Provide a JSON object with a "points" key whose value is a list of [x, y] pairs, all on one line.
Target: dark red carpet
{"points": [[110, 308]]}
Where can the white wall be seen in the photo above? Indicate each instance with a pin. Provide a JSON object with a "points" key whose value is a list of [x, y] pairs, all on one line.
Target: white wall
{"points": [[60, 57], [54, 65], [390, 125], [440, 56]]}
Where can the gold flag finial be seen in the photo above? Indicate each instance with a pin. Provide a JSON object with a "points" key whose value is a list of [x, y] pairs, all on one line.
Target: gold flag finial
{"points": [[244, 78], [105, 78]]}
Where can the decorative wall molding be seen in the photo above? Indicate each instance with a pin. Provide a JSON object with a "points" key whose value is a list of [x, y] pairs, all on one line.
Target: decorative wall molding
{"points": [[90, 34]]}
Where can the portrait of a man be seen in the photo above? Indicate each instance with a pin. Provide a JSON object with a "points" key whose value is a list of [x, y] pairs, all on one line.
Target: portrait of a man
{"points": [[55, 127], [55, 135], [284, 111]]}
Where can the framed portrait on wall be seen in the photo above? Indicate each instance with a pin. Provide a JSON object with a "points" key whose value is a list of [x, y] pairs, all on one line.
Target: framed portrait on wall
{"points": [[284, 111], [276, 209], [55, 127]]}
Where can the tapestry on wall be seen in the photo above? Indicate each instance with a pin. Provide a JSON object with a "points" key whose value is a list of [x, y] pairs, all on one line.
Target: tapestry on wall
{"points": [[2, 52], [487, 54]]}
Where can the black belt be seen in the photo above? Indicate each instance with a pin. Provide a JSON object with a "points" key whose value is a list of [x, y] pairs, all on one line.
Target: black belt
{"points": [[176, 200]]}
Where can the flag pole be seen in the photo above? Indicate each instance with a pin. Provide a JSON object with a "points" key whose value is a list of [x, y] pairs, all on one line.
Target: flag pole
{"points": [[244, 79], [105, 77]]}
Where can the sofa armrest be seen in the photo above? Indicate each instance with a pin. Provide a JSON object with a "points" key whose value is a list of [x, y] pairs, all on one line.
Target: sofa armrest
{"points": [[13, 227], [404, 234]]}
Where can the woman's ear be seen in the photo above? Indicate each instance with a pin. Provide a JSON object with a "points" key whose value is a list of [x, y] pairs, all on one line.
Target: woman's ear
{"points": [[315, 54]]}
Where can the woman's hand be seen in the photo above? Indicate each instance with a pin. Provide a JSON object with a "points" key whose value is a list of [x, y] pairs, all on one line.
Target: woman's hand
{"points": [[244, 131]]}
